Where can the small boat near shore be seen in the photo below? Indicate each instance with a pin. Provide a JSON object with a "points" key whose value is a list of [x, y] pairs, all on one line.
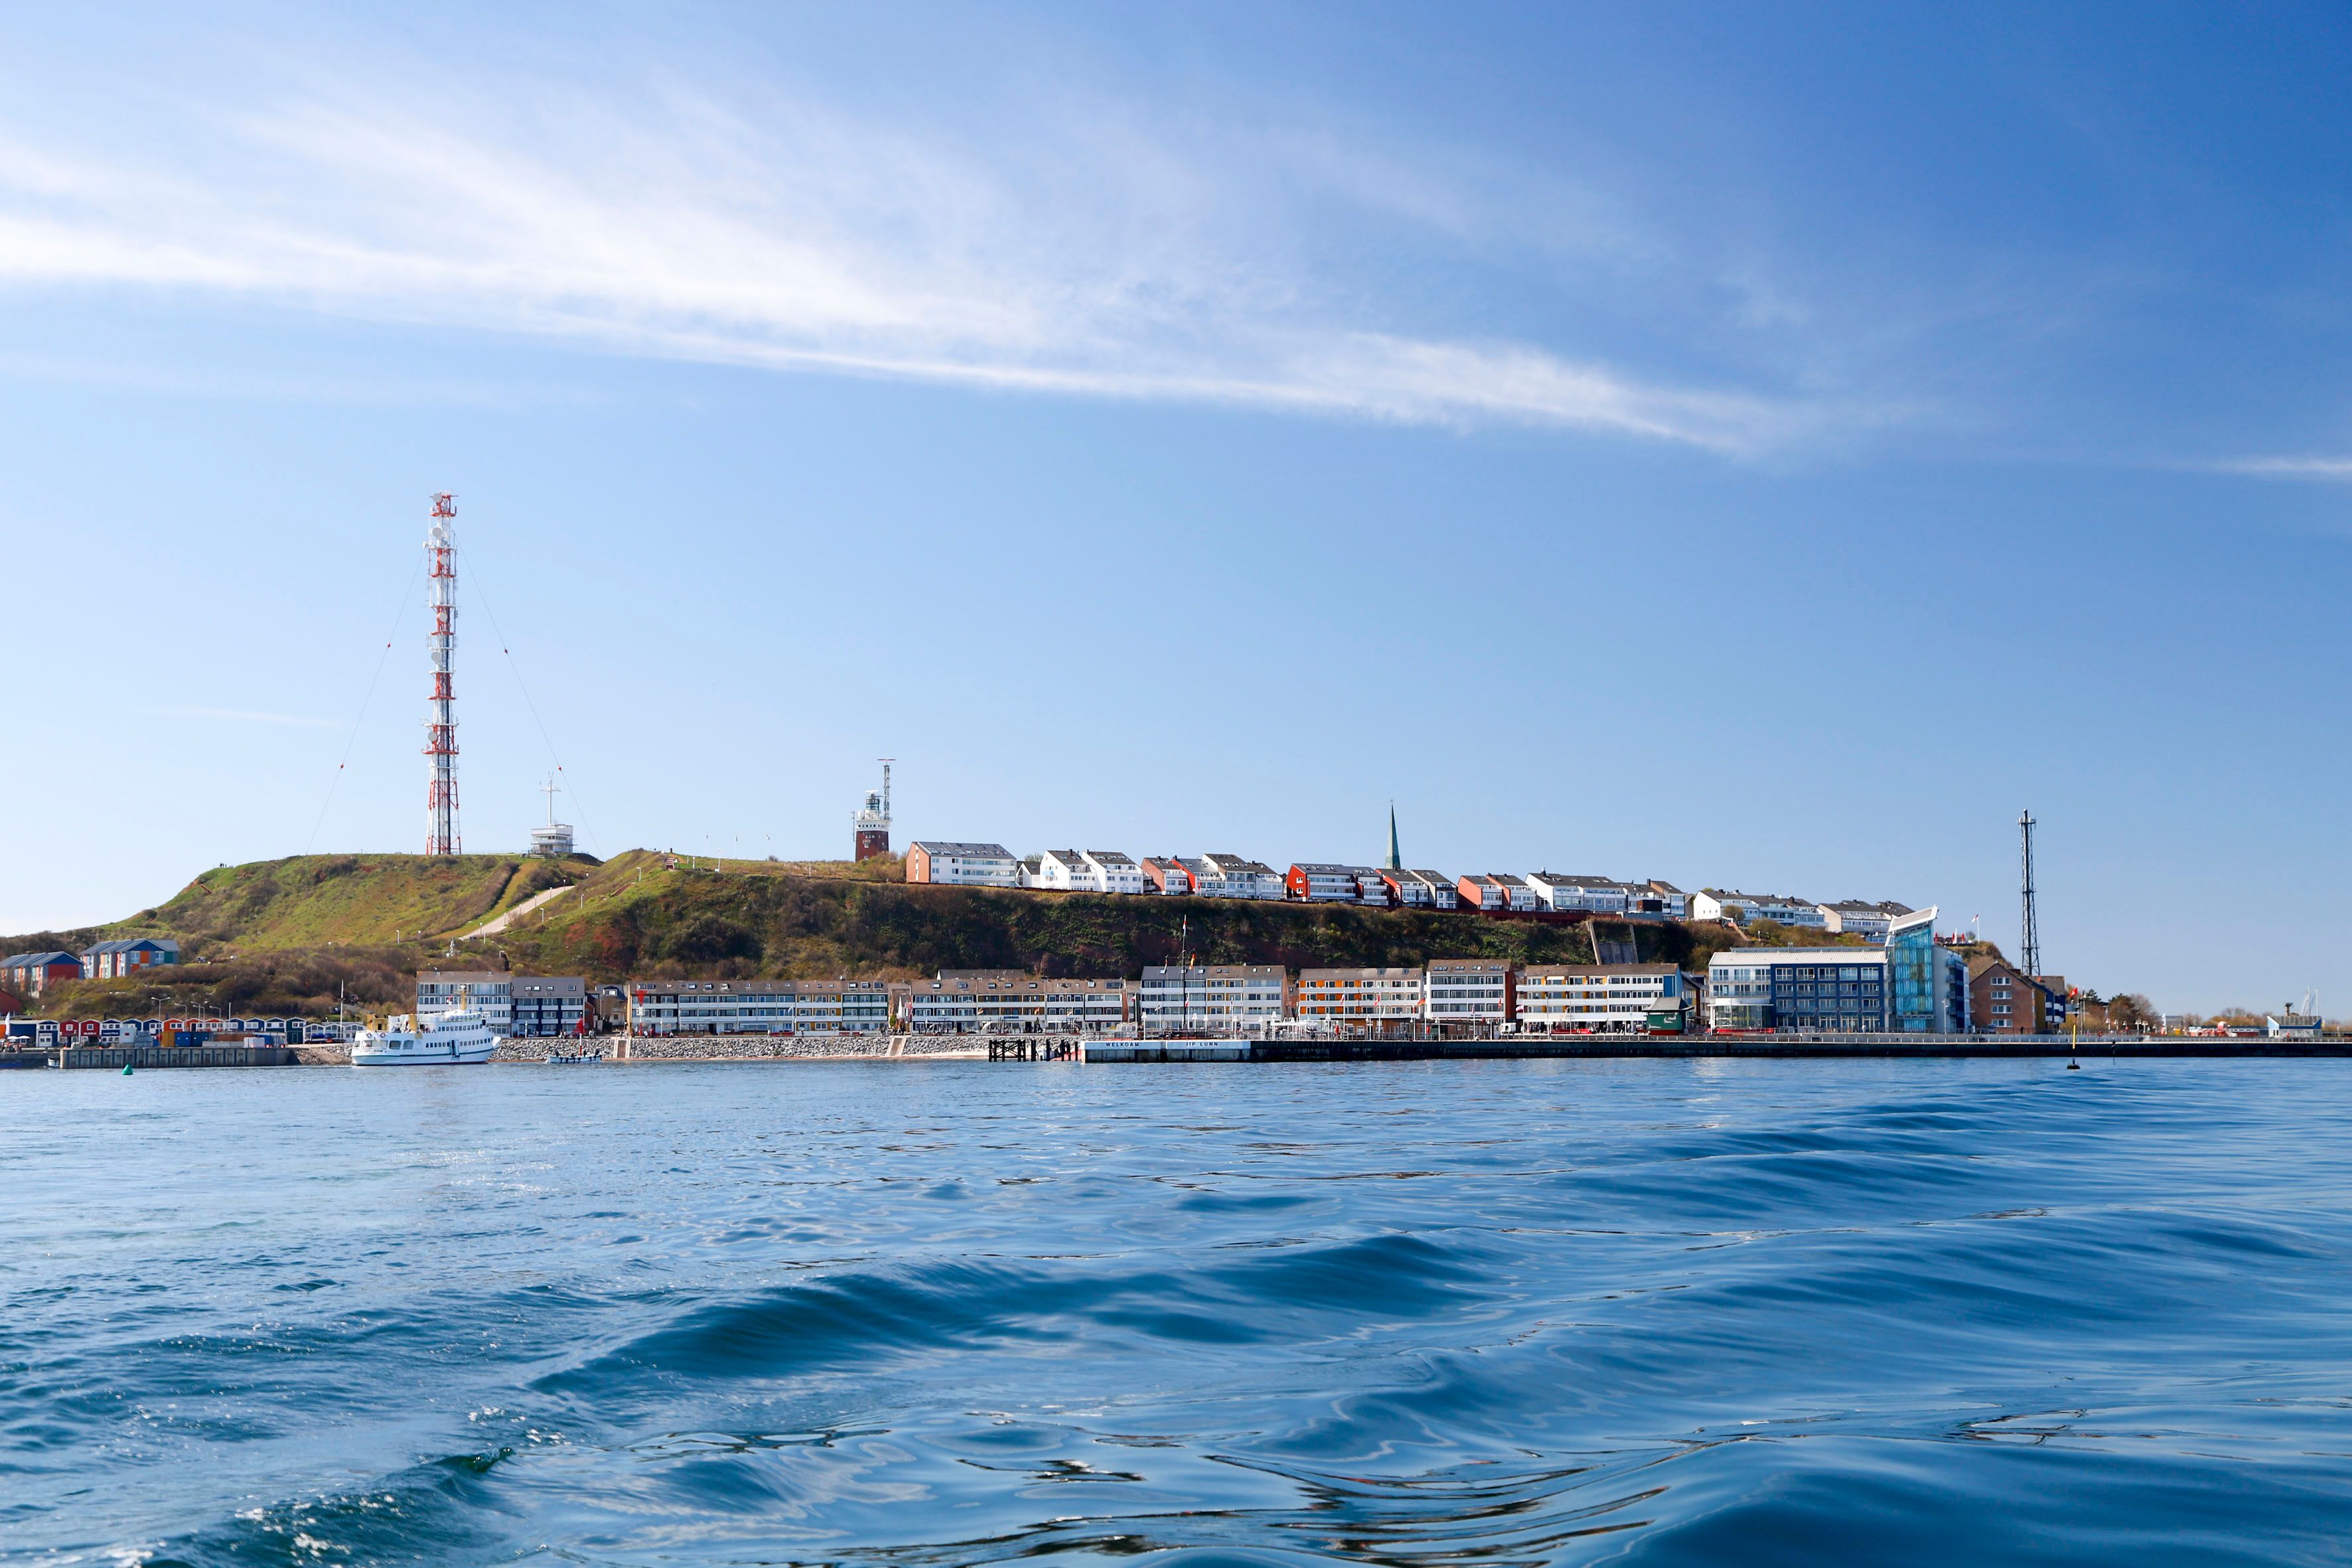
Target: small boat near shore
{"points": [[457, 1039]]}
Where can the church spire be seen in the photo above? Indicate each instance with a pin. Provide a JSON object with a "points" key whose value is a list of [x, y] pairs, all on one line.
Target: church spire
{"points": [[1396, 859]]}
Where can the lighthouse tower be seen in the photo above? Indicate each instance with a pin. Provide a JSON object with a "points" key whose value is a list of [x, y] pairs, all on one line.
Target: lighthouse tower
{"points": [[872, 820]]}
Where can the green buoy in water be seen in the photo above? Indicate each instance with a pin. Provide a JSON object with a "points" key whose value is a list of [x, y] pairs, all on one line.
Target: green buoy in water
{"points": [[126, 1069]]}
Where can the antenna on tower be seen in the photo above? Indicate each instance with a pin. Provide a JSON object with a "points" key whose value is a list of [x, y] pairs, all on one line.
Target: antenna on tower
{"points": [[441, 727], [2029, 941]]}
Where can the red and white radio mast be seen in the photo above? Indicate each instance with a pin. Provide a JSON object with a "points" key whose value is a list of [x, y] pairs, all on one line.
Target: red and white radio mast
{"points": [[441, 728]]}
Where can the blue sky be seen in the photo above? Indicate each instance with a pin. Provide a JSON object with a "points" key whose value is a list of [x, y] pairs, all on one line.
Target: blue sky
{"points": [[1755, 446]]}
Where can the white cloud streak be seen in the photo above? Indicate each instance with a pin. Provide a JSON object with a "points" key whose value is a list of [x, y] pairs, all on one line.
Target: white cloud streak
{"points": [[808, 241], [2338, 469]]}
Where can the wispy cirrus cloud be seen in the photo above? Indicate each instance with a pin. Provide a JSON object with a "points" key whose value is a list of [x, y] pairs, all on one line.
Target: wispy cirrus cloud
{"points": [[805, 239], [2334, 468]]}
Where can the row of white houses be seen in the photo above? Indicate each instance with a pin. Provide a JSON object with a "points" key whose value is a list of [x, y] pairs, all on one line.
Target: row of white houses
{"points": [[977, 864]]}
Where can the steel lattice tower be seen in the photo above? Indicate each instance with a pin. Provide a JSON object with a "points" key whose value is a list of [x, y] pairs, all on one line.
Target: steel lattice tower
{"points": [[441, 727], [2029, 943]]}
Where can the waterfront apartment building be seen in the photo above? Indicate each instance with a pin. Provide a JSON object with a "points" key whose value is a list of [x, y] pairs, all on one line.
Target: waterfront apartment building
{"points": [[490, 992], [962, 864], [1739, 908], [113, 960], [30, 974], [1469, 991], [1871, 921], [1166, 874], [1420, 889], [1215, 997], [759, 1007], [1236, 876], [1601, 999], [2003, 999], [544, 1005], [1909, 986], [1319, 883], [969, 1001], [1563, 893], [1382, 1000], [1810, 990]]}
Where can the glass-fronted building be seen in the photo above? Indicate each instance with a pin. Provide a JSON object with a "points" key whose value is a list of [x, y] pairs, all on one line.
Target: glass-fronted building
{"points": [[1930, 984], [1910, 986]]}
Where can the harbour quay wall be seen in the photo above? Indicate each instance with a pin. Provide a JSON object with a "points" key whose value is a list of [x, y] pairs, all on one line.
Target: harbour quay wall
{"points": [[752, 1046], [1622, 1047], [138, 1056]]}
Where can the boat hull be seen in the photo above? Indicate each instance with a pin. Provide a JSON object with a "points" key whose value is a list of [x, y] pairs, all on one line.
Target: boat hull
{"points": [[424, 1054]]}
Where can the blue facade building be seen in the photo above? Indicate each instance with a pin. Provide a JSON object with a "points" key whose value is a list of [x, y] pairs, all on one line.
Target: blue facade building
{"points": [[1910, 986]]}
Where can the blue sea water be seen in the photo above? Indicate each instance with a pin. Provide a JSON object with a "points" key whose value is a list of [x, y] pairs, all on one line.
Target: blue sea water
{"points": [[1416, 1314]]}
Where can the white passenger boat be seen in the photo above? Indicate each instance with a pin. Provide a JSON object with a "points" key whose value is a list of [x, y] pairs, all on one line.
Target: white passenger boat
{"points": [[460, 1039]]}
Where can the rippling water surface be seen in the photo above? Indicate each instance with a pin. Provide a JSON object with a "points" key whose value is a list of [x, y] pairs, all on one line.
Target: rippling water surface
{"points": [[922, 1313]]}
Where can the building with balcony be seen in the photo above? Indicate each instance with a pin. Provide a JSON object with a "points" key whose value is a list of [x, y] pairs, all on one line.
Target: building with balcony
{"points": [[1167, 875], [1217, 997], [1420, 889], [1655, 897], [1469, 993], [976, 1002], [1809, 990], [759, 1007], [1064, 871], [1909, 986], [1378, 1002], [1489, 892], [1087, 870], [1612, 999], [1235, 876], [1739, 908], [1871, 921], [1564, 893], [490, 992], [544, 1005], [1114, 871], [962, 864], [1318, 882]]}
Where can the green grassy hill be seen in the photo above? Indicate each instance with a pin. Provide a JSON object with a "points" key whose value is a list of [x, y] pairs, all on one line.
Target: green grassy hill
{"points": [[284, 934]]}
